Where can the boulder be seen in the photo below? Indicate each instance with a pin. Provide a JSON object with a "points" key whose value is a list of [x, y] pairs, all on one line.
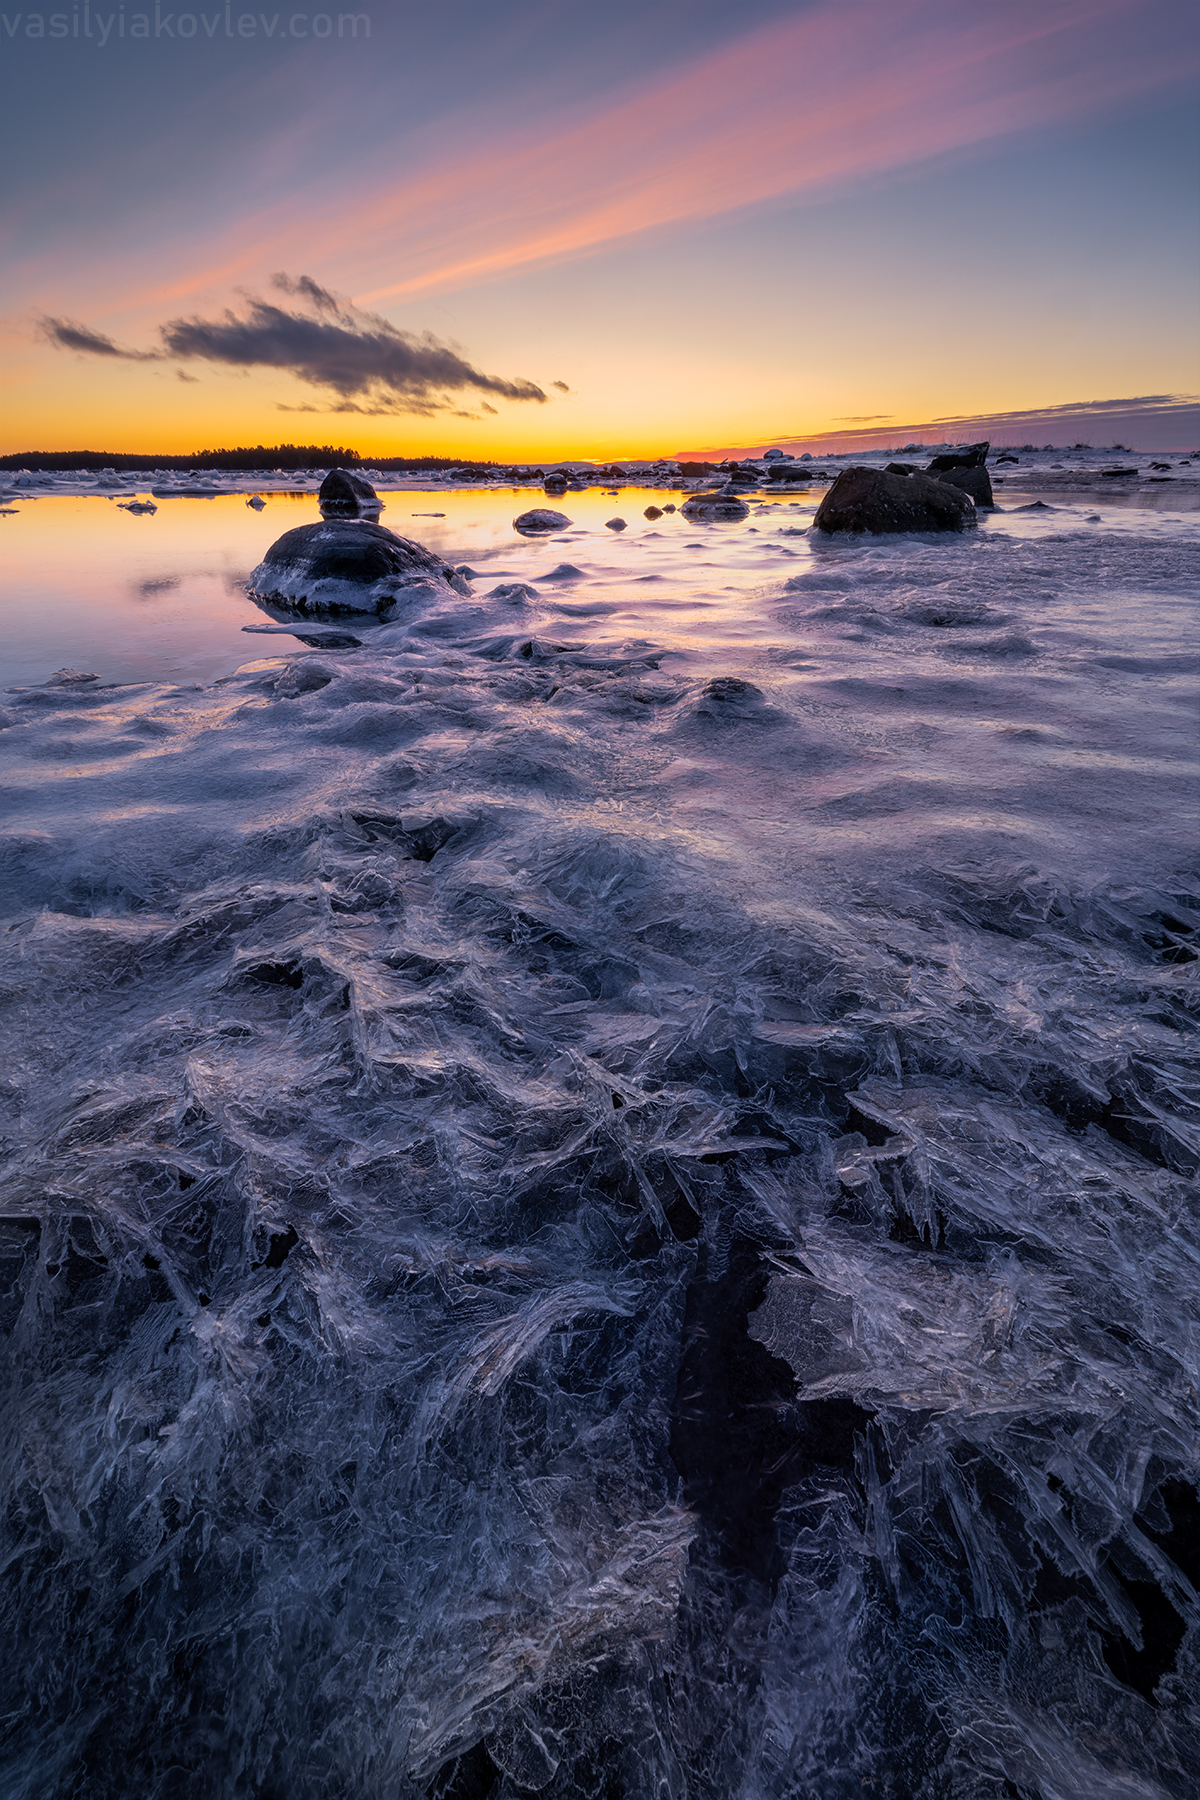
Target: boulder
{"points": [[345, 495], [864, 499], [614, 525], [539, 519], [652, 512], [555, 484], [966, 456], [349, 566], [976, 482], [718, 505], [901, 469]]}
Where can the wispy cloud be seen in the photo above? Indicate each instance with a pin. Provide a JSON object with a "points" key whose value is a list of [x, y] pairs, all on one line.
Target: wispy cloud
{"points": [[68, 334], [845, 92], [371, 365], [1145, 421]]}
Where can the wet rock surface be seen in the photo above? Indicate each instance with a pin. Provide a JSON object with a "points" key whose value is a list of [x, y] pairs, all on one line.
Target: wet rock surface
{"points": [[345, 495], [348, 566], [974, 481], [539, 520], [863, 500], [715, 504]]}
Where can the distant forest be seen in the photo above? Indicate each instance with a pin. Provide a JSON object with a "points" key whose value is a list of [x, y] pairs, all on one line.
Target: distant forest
{"points": [[263, 456]]}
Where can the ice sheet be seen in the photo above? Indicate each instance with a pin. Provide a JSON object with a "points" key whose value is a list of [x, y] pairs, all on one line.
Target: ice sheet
{"points": [[600, 1190]]}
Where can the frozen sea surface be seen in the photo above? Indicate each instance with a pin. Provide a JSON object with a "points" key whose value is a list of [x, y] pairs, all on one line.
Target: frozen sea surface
{"points": [[600, 1191]]}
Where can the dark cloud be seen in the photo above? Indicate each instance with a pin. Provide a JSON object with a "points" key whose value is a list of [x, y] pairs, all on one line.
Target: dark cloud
{"points": [[361, 356], [862, 418], [372, 366], [303, 287], [561, 386], [183, 376], [67, 334]]}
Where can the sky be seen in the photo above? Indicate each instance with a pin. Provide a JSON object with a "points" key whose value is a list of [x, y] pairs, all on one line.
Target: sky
{"points": [[525, 229]]}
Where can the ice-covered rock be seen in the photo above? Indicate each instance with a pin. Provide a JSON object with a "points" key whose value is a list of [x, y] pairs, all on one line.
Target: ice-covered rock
{"points": [[715, 504], [539, 519], [349, 566], [345, 495], [964, 456], [864, 499]]}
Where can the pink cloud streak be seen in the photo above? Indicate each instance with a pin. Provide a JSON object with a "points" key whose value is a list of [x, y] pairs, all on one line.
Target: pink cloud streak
{"points": [[844, 93]]}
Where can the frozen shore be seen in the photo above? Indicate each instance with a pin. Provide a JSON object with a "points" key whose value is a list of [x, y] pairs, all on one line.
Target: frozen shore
{"points": [[601, 1186]]}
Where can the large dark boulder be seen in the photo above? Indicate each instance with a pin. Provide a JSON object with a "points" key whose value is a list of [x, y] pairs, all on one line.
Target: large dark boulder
{"points": [[864, 499], [965, 456], [349, 566], [976, 482], [345, 495]]}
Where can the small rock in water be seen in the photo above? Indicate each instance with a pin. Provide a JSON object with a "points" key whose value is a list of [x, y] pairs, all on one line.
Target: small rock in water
{"points": [[863, 499], [670, 508], [614, 524], [344, 495], [539, 519], [653, 512], [69, 678], [715, 506], [555, 484], [257, 502]]}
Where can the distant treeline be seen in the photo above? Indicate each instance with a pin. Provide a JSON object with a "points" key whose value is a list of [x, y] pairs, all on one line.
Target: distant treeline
{"points": [[266, 457], [273, 456]]}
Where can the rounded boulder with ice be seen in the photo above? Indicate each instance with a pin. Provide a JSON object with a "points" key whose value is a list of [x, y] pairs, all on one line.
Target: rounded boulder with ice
{"points": [[345, 495], [539, 519], [716, 505], [349, 566]]}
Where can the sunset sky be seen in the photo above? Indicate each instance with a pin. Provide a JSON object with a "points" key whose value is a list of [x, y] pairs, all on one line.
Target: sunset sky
{"points": [[526, 229]]}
